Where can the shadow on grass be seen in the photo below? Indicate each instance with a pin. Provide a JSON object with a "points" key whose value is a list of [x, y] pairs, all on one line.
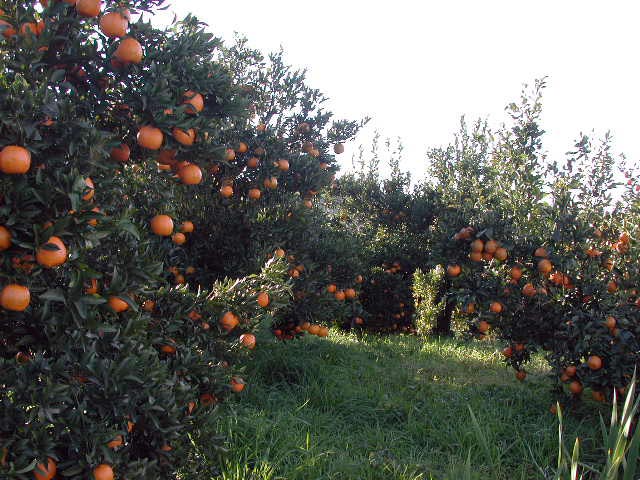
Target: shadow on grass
{"points": [[389, 407]]}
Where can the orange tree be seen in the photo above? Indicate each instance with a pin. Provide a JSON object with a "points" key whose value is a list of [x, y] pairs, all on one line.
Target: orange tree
{"points": [[102, 372]]}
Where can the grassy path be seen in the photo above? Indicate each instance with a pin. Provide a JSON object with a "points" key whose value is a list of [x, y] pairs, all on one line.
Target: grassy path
{"points": [[392, 408]]}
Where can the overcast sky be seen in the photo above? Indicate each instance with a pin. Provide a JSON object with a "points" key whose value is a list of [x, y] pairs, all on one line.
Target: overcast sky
{"points": [[415, 69]]}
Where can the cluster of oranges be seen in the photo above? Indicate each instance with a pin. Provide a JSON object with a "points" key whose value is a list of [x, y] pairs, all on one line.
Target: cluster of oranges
{"points": [[163, 226]]}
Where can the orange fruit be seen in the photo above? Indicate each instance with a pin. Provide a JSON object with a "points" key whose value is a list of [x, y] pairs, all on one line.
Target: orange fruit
{"points": [[350, 293], [207, 399], [5, 238], [477, 246], [255, 194], [190, 174], [226, 191], [529, 290], [168, 349], [491, 246], [314, 329], [121, 153], [496, 307], [624, 237], [359, 279], [129, 51], [280, 253], [229, 321], [187, 227], [323, 332], [594, 362], [338, 148], [454, 270], [253, 162], [194, 102], [483, 326], [242, 148], [612, 287], [487, 256], [263, 299], [117, 304], [516, 272], [611, 323], [179, 238], [521, 375], [237, 384], [15, 298], [332, 288], [162, 225], [340, 295], [114, 25], [271, 183], [470, 308], [570, 370], [598, 396], [116, 442], [52, 254], [541, 252], [15, 160], [185, 137], [229, 155], [29, 28], [150, 137], [91, 189], [248, 340], [545, 266], [475, 256], [501, 254], [103, 472], [283, 165], [46, 472], [167, 157], [507, 352], [575, 387], [88, 8]]}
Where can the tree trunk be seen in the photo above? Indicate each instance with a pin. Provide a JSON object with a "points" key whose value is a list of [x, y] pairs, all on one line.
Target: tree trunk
{"points": [[443, 322]]}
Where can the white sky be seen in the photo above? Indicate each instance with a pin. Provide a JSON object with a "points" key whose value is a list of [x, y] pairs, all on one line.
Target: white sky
{"points": [[415, 69]]}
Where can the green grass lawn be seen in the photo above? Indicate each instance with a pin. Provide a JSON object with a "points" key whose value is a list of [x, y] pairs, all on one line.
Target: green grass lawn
{"points": [[394, 408]]}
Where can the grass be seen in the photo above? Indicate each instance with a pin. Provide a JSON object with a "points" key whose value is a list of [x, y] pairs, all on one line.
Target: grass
{"points": [[394, 408]]}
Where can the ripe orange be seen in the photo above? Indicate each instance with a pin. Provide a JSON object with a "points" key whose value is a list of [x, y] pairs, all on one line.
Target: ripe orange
{"points": [[15, 298], [280, 253], [103, 472], [116, 442], [470, 308], [359, 279], [598, 396], [570, 370], [52, 254], [5, 238], [185, 137], [187, 227], [594, 362], [501, 254], [545, 266], [121, 153], [117, 304], [253, 162], [350, 293], [263, 299], [248, 340], [15, 160], [88, 8], [229, 321], [454, 270], [162, 225], [150, 137], [237, 384], [529, 290], [624, 237], [475, 256], [255, 194], [190, 174], [271, 183], [114, 25], [314, 329], [226, 191], [611, 323], [477, 246], [516, 273], [338, 148], [612, 287], [242, 148], [496, 307], [129, 51], [194, 102], [340, 295], [483, 326], [179, 238], [507, 352], [331, 288], [283, 165], [491, 246], [541, 252], [91, 189], [521, 375], [168, 349], [323, 332], [46, 472], [575, 387]]}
